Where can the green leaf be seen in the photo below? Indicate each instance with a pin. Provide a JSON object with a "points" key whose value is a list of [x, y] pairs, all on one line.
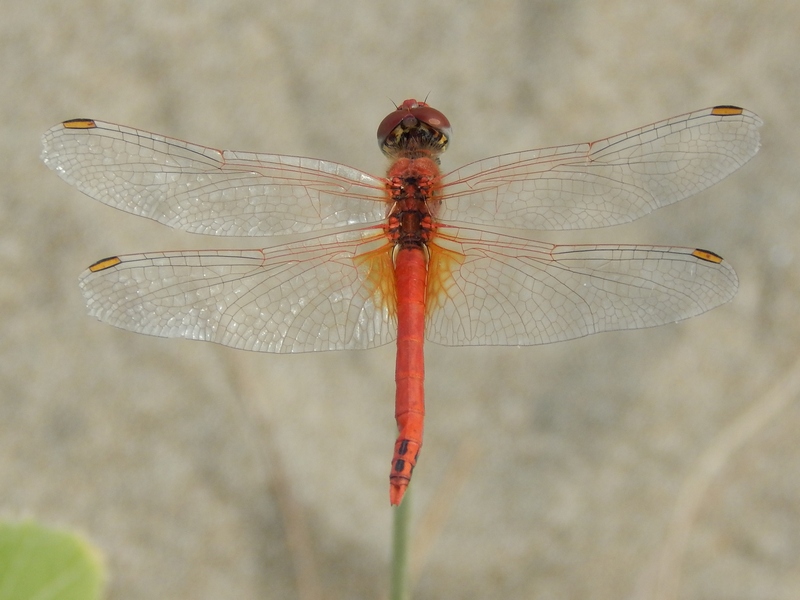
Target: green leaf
{"points": [[39, 563]]}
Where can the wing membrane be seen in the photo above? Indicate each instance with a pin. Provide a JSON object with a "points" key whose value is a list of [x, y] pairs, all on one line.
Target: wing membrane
{"points": [[512, 291], [203, 190], [602, 183], [337, 291], [300, 297]]}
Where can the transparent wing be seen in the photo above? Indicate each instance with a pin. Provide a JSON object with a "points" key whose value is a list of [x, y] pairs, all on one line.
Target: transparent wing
{"points": [[306, 296], [203, 190], [606, 182], [501, 290]]}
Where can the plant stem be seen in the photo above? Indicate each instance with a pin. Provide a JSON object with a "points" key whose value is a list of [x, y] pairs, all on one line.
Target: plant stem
{"points": [[402, 519]]}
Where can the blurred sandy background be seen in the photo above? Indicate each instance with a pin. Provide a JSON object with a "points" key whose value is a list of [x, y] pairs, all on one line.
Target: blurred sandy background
{"points": [[652, 464]]}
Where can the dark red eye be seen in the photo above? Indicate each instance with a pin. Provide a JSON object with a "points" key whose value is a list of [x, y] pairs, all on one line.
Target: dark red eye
{"points": [[408, 113]]}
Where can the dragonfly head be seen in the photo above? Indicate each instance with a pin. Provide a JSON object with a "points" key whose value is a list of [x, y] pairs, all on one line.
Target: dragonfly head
{"points": [[414, 129]]}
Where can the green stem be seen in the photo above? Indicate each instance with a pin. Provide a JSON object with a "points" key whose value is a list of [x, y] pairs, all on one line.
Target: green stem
{"points": [[402, 519]]}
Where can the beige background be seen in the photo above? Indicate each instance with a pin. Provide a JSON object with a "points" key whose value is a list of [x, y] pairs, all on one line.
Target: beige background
{"points": [[626, 465]]}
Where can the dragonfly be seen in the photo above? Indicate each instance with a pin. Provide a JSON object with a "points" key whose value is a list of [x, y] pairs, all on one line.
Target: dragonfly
{"points": [[412, 256]]}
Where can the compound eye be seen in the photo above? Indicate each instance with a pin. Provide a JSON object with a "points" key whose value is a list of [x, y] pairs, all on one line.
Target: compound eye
{"points": [[433, 118], [391, 122]]}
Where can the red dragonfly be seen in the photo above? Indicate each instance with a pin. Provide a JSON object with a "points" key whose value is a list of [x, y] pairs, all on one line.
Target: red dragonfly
{"points": [[411, 256]]}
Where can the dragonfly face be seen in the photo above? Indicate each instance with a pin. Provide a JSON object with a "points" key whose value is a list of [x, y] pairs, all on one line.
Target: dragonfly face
{"points": [[414, 129]]}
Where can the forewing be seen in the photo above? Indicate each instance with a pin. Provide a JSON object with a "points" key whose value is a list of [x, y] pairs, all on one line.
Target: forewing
{"points": [[501, 290], [203, 190], [307, 296], [602, 183]]}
